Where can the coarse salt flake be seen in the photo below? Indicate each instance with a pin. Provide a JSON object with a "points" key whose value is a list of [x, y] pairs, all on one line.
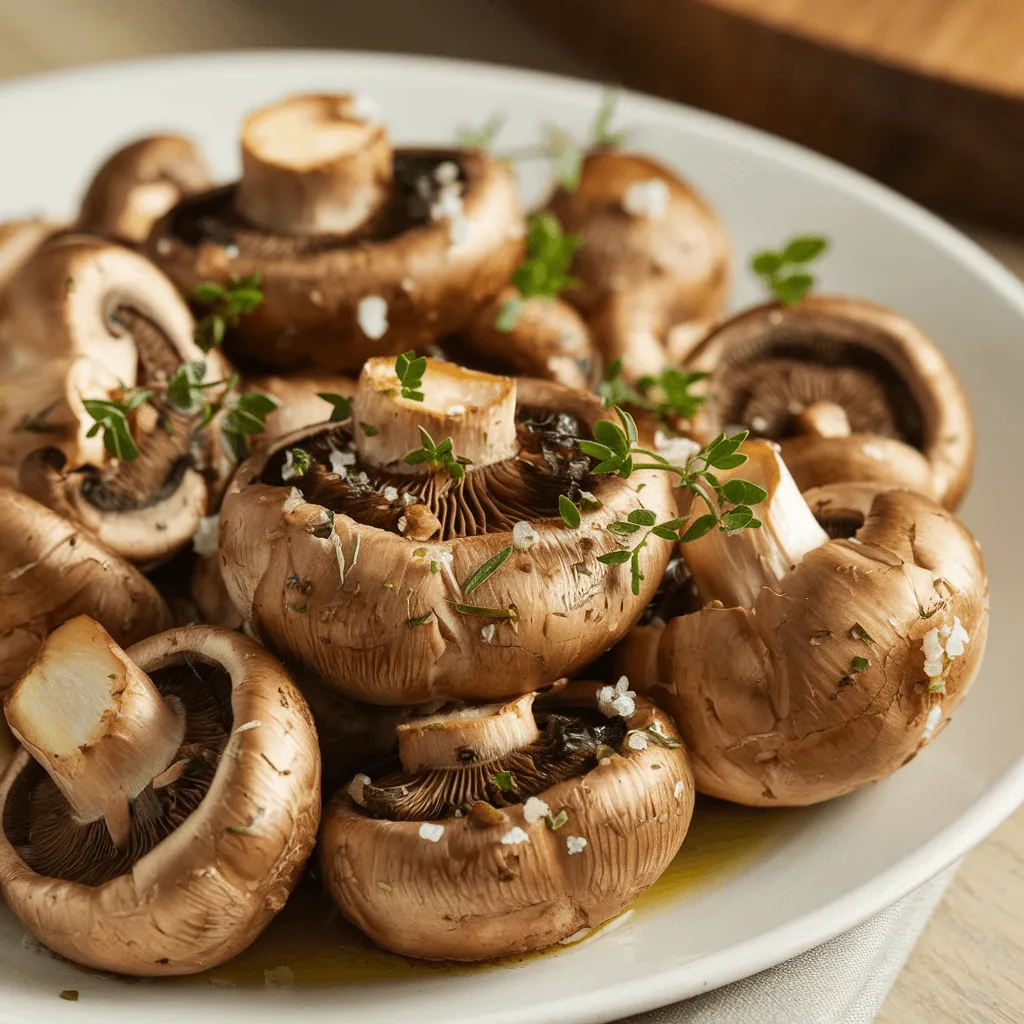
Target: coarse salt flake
{"points": [[524, 536], [679, 790], [372, 315], [514, 836], [390, 493], [431, 831], [340, 461], [759, 423], [575, 844], [535, 810], [958, 638], [932, 722], [206, 539], [456, 410], [289, 470], [248, 726], [356, 789], [487, 632], [637, 741], [646, 199]]}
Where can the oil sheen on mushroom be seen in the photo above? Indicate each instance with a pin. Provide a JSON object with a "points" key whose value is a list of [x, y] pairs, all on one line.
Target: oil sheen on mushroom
{"points": [[363, 567], [500, 829], [834, 642]]}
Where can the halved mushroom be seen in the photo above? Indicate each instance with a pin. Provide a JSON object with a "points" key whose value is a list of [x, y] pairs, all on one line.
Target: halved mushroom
{"points": [[502, 829], [406, 580], [852, 392], [87, 320], [549, 341], [51, 571], [139, 183], [654, 258], [166, 802], [362, 250], [829, 652]]}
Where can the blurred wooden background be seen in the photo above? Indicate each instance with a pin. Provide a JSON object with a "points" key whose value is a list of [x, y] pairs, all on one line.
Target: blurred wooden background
{"points": [[844, 75]]}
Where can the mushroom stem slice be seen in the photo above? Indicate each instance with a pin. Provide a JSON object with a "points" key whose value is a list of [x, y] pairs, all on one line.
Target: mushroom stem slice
{"points": [[467, 735], [734, 567], [95, 722], [824, 419], [476, 410], [311, 165]]}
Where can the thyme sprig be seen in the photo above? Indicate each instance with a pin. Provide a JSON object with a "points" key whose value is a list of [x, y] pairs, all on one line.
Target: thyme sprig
{"points": [[664, 395], [111, 417], [409, 370], [784, 271], [227, 305], [438, 456], [637, 520], [341, 407]]}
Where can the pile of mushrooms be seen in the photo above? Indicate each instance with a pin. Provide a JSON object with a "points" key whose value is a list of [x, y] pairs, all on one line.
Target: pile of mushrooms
{"points": [[369, 553]]}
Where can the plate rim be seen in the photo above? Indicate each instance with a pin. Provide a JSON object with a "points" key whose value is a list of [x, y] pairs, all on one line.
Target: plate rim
{"points": [[770, 948]]}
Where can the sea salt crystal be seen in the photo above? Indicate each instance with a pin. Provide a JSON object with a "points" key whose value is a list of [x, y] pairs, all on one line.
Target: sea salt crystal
{"points": [[356, 789], [679, 790], [637, 741], [575, 844], [431, 831], [340, 461], [206, 539], [646, 199], [932, 722], [372, 315], [487, 632], [514, 837], [535, 810], [617, 700], [524, 536], [390, 493]]}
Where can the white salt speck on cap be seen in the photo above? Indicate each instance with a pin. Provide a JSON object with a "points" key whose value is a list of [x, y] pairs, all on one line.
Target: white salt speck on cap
{"points": [[431, 831], [340, 461], [637, 741], [289, 470], [390, 493], [163, 246], [514, 836], [206, 539], [872, 451], [675, 449], [958, 638], [372, 315], [356, 788], [487, 632], [679, 790], [617, 700], [446, 173], [456, 410], [575, 844], [932, 722], [646, 199], [524, 536], [535, 810], [759, 423], [402, 524]]}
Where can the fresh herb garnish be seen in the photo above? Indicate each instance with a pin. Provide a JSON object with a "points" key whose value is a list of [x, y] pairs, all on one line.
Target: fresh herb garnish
{"points": [[861, 633], [859, 664], [487, 570], [509, 613], [438, 456], [246, 415], [227, 306], [297, 463], [504, 781], [556, 821], [483, 137], [784, 272], [661, 739], [368, 429], [568, 511], [545, 271], [111, 416], [421, 621], [341, 408], [665, 395], [637, 520], [600, 135], [35, 423], [567, 157], [409, 369]]}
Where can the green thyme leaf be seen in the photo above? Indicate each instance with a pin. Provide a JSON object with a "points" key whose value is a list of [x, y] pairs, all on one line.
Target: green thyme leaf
{"points": [[508, 316], [228, 304], [859, 664], [439, 456], [699, 527], [785, 272], [409, 368], [601, 137], [661, 739], [623, 529], [556, 821], [341, 407], [569, 512], [743, 492], [642, 517], [487, 570], [792, 289], [504, 781], [368, 429], [421, 621], [246, 415], [301, 461], [483, 137], [489, 613], [615, 557], [862, 634], [804, 249]]}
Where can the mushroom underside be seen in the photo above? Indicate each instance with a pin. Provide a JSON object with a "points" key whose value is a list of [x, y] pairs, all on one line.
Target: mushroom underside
{"points": [[42, 828]]}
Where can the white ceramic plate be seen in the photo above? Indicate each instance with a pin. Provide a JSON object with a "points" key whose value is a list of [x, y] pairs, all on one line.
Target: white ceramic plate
{"points": [[752, 889]]}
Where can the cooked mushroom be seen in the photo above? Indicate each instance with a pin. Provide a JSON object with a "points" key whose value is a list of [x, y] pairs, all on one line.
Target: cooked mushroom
{"points": [[166, 802], [499, 830], [828, 652], [138, 184], [51, 571], [300, 405], [402, 580], [549, 340], [86, 320], [654, 257], [852, 392], [362, 250]]}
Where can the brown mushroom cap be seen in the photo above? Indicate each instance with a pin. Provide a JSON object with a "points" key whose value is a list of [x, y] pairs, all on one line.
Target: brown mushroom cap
{"points": [[201, 878], [51, 571], [300, 405], [509, 874], [771, 697], [907, 418], [550, 341], [364, 263], [19, 239], [361, 577], [654, 256], [82, 319], [138, 184]]}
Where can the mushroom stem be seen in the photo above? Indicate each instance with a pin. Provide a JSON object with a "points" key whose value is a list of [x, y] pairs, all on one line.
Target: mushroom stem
{"points": [[311, 165], [466, 735], [476, 410], [95, 721], [734, 567], [824, 419]]}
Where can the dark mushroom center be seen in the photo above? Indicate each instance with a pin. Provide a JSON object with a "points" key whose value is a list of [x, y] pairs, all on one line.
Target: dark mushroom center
{"points": [[765, 383], [838, 523], [491, 498], [211, 218], [571, 743], [40, 825], [676, 595]]}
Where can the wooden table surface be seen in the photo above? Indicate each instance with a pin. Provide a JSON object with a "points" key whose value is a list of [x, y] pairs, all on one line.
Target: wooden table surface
{"points": [[968, 967]]}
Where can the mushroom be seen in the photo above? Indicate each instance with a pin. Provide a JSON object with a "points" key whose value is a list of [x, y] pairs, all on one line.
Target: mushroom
{"points": [[852, 392], [549, 341], [361, 250], [402, 579], [166, 802], [654, 258], [138, 184], [19, 239], [827, 653], [499, 830], [86, 320], [300, 405], [51, 571]]}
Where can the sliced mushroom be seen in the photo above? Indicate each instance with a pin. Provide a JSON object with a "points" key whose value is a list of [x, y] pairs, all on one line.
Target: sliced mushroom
{"points": [[51, 571], [166, 802], [549, 341], [362, 250], [300, 405], [501, 829], [138, 184], [85, 319], [829, 652], [361, 567], [654, 257], [852, 392]]}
